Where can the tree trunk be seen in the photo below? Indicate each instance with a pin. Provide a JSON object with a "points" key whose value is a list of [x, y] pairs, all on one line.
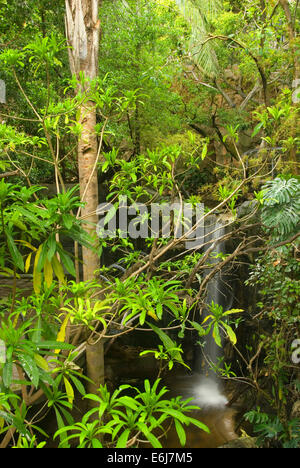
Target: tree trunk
{"points": [[88, 181], [83, 33], [95, 366]]}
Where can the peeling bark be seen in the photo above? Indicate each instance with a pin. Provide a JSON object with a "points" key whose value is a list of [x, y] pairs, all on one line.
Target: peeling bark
{"points": [[83, 36]]}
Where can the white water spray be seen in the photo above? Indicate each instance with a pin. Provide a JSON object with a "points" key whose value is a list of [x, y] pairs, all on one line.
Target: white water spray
{"points": [[208, 394]]}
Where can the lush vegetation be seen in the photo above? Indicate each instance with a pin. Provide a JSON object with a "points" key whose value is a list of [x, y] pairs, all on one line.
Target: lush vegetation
{"points": [[182, 102]]}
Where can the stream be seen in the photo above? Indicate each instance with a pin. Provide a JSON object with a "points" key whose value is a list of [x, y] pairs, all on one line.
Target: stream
{"points": [[208, 393], [220, 419]]}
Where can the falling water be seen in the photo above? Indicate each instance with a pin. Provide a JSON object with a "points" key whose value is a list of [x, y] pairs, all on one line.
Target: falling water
{"points": [[207, 392]]}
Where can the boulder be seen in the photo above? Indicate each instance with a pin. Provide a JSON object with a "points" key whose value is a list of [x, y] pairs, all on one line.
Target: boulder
{"points": [[295, 414], [242, 442]]}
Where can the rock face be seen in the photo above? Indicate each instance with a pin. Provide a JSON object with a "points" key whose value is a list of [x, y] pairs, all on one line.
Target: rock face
{"points": [[295, 414], [242, 442]]}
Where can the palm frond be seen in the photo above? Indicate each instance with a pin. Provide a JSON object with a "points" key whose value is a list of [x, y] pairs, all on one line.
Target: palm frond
{"points": [[198, 14]]}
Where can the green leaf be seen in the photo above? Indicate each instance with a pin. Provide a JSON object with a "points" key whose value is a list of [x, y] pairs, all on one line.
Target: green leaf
{"points": [[37, 276], [67, 262], [60, 425], [7, 373], [150, 437], [15, 254], [257, 129], [216, 335], [48, 272], [41, 362], [180, 432], [96, 443], [167, 341], [58, 269], [68, 220], [199, 329], [199, 424], [122, 440], [54, 345], [51, 244], [230, 333], [78, 384], [175, 414], [128, 401], [29, 366], [204, 152]]}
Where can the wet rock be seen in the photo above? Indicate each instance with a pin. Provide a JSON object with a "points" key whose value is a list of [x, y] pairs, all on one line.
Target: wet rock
{"points": [[242, 442], [295, 414], [248, 208]]}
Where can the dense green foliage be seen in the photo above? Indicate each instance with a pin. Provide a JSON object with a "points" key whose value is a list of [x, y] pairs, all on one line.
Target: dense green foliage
{"points": [[196, 102]]}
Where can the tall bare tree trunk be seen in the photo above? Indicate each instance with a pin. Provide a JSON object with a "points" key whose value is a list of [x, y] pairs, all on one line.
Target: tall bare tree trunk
{"points": [[83, 35]]}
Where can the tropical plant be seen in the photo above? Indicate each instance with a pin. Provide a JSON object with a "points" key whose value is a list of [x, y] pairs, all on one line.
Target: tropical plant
{"points": [[125, 420], [281, 208]]}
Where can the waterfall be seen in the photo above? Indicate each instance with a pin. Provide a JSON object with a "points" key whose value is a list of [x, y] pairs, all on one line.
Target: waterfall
{"points": [[215, 288], [208, 392]]}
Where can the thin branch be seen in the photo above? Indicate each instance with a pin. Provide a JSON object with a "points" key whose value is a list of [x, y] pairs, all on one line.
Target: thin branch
{"points": [[9, 174]]}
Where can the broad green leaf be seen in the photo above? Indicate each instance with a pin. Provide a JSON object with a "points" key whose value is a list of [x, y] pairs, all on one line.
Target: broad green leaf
{"points": [[41, 362], [42, 257], [68, 220], [151, 438], [60, 425], [199, 424], [257, 129], [58, 269], [51, 244], [7, 373], [15, 254], [48, 272], [54, 345], [180, 432], [199, 329], [67, 262], [230, 333], [29, 366], [130, 402], [216, 335], [204, 152], [176, 414], [96, 443], [78, 385], [167, 341], [122, 440]]}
